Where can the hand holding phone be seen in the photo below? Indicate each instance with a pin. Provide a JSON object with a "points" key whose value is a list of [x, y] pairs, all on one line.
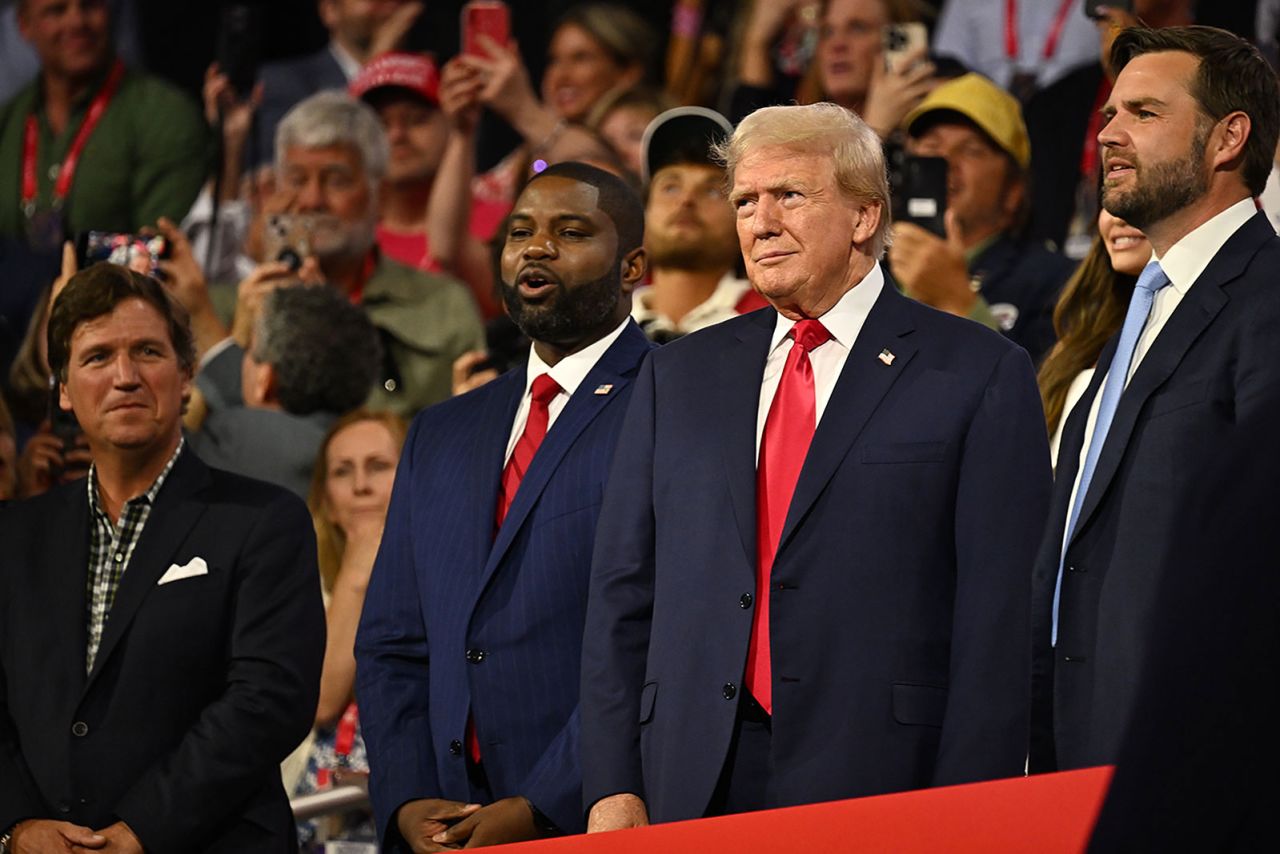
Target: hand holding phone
{"points": [[490, 18]]}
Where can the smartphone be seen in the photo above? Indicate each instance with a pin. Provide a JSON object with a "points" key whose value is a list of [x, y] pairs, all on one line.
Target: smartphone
{"points": [[484, 17], [898, 40], [1091, 7], [919, 192], [288, 238], [139, 252], [239, 51]]}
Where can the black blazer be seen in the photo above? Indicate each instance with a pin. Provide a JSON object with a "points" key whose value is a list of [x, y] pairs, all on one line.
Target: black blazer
{"points": [[201, 686], [900, 605], [1213, 366]]}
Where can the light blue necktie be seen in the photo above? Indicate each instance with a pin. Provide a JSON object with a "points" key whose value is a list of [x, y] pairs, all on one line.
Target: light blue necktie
{"points": [[1144, 293]]}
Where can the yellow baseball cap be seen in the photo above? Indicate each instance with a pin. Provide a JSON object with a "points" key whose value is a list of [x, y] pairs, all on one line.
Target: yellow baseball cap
{"points": [[985, 104]]}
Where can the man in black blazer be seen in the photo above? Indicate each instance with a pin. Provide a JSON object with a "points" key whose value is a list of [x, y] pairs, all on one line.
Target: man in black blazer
{"points": [[161, 630], [893, 564], [1191, 129]]}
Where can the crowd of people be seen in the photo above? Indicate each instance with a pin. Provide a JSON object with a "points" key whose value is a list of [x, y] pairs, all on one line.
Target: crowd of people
{"points": [[808, 401]]}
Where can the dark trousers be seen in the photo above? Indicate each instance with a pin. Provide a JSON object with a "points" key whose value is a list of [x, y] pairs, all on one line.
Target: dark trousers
{"points": [[746, 781]]}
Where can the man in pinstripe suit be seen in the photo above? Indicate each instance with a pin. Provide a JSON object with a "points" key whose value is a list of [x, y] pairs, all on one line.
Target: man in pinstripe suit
{"points": [[470, 640]]}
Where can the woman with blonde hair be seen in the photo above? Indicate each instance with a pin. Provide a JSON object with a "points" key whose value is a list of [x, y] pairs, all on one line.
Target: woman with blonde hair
{"points": [[350, 490]]}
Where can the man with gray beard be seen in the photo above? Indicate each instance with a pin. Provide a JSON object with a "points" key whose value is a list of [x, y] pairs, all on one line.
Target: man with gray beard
{"points": [[1191, 128], [331, 159], [689, 229]]}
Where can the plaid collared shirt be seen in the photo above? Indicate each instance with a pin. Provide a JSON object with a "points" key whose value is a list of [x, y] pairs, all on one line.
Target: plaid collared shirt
{"points": [[111, 546]]}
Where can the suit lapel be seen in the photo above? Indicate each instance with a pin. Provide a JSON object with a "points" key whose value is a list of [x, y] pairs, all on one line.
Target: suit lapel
{"points": [[616, 368], [483, 469], [174, 513], [1198, 308], [861, 386], [66, 591], [741, 368]]}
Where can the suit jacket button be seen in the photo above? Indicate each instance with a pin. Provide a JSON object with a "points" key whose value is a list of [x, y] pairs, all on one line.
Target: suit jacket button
{"points": [[79, 729], [475, 656], [744, 601], [455, 747], [64, 808], [729, 691]]}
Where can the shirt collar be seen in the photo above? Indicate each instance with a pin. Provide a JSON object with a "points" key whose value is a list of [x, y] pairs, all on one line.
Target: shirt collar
{"points": [[1188, 258], [147, 497], [570, 371], [844, 319], [349, 65], [723, 300]]}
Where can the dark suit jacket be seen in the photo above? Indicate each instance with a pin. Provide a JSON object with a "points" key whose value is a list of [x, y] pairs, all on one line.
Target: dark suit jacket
{"points": [[201, 686], [1195, 770], [1213, 365], [899, 608], [284, 84], [458, 622]]}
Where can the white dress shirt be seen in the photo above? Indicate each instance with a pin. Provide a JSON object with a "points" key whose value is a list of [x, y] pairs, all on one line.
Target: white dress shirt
{"points": [[844, 320], [569, 373], [1183, 264]]}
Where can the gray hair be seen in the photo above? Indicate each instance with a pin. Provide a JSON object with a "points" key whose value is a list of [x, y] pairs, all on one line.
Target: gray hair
{"points": [[324, 350], [335, 118], [824, 128]]}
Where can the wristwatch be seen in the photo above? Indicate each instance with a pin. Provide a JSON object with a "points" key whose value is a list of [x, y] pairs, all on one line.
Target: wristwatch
{"points": [[5, 839]]}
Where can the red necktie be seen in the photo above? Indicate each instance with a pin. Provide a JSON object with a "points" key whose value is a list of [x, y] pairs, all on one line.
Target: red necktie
{"points": [[787, 434], [542, 393]]}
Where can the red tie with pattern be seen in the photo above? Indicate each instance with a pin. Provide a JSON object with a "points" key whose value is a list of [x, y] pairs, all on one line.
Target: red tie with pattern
{"points": [[543, 391], [787, 434]]}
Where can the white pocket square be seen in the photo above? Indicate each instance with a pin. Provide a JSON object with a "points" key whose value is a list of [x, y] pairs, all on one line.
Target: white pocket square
{"points": [[196, 566]]}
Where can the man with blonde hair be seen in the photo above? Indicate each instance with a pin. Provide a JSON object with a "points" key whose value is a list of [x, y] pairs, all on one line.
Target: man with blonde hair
{"points": [[799, 529]]}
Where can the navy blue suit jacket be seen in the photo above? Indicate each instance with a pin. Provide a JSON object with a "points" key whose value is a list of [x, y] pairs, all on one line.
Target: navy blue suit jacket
{"points": [[457, 622], [1213, 365], [900, 594]]}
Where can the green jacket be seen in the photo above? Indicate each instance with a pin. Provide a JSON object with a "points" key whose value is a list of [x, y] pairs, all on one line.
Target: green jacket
{"points": [[147, 158], [425, 321]]}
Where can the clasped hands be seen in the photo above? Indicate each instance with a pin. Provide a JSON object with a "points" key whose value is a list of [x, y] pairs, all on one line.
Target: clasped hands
{"points": [[45, 836], [436, 824]]}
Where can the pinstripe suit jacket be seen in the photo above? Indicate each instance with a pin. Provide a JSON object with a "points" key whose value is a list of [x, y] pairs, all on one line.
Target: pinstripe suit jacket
{"points": [[458, 621]]}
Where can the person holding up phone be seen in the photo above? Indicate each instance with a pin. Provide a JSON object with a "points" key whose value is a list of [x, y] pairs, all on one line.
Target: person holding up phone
{"points": [[851, 62], [978, 128]]}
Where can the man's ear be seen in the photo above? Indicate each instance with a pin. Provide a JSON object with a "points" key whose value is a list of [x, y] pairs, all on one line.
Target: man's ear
{"points": [[64, 399], [868, 222], [635, 265], [1231, 139]]}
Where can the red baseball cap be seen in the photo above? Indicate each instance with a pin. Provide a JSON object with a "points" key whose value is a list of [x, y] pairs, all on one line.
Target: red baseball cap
{"points": [[413, 71]]}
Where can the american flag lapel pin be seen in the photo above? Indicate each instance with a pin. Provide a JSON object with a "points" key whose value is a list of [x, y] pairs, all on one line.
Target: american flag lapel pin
{"points": [[604, 388], [886, 357]]}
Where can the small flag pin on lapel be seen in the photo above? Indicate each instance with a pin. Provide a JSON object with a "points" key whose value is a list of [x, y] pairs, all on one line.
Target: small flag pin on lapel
{"points": [[886, 357], [604, 389]]}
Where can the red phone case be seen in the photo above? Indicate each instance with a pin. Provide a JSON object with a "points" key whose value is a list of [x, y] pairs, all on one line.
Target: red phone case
{"points": [[488, 17]]}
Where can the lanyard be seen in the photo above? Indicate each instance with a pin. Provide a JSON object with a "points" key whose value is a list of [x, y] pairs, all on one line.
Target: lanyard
{"points": [[68, 169], [1055, 32]]}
